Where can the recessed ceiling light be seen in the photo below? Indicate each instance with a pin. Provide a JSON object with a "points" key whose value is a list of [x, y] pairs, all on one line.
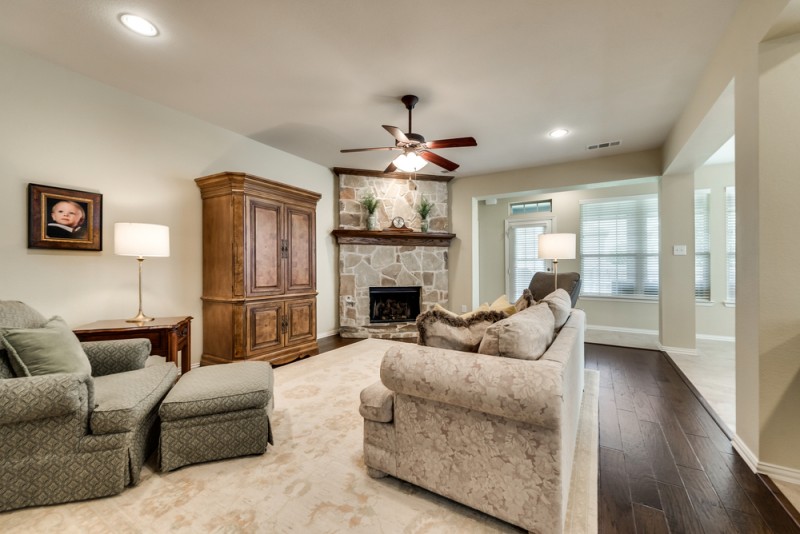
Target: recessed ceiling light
{"points": [[558, 132], [139, 25]]}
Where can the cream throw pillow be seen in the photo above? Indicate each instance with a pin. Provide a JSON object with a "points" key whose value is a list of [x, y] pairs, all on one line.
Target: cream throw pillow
{"points": [[525, 335], [561, 306], [465, 316], [502, 304]]}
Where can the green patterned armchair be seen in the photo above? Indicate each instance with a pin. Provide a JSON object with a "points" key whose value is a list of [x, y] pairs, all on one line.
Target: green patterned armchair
{"points": [[70, 436]]}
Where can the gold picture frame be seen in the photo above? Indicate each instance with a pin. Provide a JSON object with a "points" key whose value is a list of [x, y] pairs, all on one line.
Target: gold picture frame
{"points": [[64, 219]]}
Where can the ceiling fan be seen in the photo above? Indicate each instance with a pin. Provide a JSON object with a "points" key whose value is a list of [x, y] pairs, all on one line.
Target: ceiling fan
{"points": [[417, 151]]}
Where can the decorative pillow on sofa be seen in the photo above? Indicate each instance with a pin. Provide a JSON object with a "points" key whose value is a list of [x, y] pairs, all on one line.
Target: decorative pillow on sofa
{"points": [[446, 330], [560, 304], [502, 304], [525, 335], [525, 300], [465, 316], [53, 348]]}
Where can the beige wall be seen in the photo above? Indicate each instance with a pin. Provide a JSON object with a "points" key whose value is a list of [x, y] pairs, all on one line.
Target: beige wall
{"points": [[62, 129], [466, 192], [713, 319], [767, 433], [676, 317], [603, 313], [779, 255]]}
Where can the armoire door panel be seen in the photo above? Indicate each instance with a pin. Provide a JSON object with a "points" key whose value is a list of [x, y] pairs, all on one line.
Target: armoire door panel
{"points": [[263, 248], [301, 271], [301, 318], [264, 329]]}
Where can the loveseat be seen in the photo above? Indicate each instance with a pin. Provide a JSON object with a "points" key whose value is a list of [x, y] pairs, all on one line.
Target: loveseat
{"points": [[74, 436], [496, 433]]}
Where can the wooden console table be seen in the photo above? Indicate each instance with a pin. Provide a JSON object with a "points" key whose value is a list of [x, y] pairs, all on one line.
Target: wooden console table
{"points": [[168, 335]]}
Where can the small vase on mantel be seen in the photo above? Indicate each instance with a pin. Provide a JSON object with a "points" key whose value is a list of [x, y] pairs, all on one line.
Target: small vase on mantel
{"points": [[372, 222], [424, 226]]}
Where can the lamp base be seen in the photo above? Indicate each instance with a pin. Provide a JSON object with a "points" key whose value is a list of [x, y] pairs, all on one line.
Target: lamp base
{"points": [[140, 318]]}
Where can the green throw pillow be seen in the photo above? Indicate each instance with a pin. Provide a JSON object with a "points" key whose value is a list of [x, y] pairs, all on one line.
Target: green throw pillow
{"points": [[47, 350]]}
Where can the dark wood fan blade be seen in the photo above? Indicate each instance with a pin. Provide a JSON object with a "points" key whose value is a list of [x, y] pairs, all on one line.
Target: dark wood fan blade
{"points": [[397, 133], [452, 143], [390, 168], [367, 149], [436, 159]]}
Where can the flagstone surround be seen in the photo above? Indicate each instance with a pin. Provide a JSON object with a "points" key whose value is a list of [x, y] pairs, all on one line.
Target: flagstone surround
{"points": [[365, 266]]}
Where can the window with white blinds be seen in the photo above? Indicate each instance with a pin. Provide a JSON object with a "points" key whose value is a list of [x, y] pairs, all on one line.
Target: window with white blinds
{"points": [[619, 247], [522, 249], [702, 245], [730, 242]]}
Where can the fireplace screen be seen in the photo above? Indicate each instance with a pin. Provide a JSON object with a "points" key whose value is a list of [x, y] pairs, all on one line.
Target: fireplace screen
{"points": [[393, 304]]}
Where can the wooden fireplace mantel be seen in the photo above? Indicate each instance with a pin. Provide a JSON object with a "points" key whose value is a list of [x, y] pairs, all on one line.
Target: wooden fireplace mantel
{"points": [[392, 237]]}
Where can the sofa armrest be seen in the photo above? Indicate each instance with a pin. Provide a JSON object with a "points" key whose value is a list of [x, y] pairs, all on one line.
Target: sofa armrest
{"points": [[377, 403], [44, 397], [526, 391], [117, 356]]}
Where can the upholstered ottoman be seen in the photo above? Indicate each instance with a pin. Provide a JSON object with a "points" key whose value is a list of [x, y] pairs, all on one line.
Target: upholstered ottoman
{"points": [[216, 412]]}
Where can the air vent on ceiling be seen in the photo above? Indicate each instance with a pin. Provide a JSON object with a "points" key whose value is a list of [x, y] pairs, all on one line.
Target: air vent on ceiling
{"points": [[602, 145]]}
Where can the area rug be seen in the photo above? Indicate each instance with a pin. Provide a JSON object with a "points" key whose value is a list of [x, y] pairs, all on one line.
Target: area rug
{"points": [[312, 481]]}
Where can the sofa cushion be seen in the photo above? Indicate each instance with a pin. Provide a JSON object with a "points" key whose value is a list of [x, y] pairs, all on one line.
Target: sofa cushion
{"points": [[53, 348], [561, 306], [124, 399], [446, 330], [525, 335]]}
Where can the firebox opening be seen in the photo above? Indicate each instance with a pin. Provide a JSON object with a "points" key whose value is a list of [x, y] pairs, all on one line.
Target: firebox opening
{"points": [[393, 304]]}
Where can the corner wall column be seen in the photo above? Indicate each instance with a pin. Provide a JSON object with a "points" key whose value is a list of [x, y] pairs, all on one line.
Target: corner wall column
{"points": [[676, 306]]}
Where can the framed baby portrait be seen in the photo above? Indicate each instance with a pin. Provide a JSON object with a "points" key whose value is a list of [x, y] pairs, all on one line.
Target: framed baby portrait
{"points": [[64, 219]]}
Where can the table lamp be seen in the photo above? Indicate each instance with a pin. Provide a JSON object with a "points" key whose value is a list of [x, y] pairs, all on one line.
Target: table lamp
{"points": [[141, 240], [555, 247]]}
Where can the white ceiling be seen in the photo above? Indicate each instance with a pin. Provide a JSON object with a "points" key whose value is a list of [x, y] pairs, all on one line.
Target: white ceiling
{"points": [[312, 77]]}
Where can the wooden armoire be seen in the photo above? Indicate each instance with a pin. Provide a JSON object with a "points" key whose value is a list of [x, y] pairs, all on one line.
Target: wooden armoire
{"points": [[259, 269]]}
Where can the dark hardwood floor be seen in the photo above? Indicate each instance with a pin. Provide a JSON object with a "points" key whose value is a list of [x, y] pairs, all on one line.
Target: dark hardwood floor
{"points": [[665, 464]]}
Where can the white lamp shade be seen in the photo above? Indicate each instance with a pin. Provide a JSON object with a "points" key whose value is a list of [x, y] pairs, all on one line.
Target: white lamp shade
{"points": [[409, 162], [143, 240], [557, 246]]}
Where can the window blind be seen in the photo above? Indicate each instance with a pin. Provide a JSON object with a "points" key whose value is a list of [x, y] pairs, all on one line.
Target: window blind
{"points": [[522, 250], [702, 245], [619, 247], [730, 242]]}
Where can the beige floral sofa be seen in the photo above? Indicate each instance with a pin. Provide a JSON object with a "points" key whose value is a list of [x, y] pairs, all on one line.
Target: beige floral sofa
{"points": [[496, 433]]}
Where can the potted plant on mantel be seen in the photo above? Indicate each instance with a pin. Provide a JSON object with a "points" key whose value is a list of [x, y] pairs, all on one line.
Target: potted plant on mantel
{"points": [[371, 204], [424, 209]]}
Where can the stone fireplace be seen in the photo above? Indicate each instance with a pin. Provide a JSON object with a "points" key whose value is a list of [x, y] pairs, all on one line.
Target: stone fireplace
{"points": [[374, 262]]}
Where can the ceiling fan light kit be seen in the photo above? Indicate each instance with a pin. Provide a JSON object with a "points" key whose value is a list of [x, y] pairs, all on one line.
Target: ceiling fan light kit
{"points": [[416, 151], [409, 162]]}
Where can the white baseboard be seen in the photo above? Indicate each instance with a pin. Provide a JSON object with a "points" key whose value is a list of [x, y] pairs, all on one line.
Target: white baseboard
{"points": [[709, 337], [622, 330], [776, 472], [327, 334], [745, 452], [678, 350]]}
